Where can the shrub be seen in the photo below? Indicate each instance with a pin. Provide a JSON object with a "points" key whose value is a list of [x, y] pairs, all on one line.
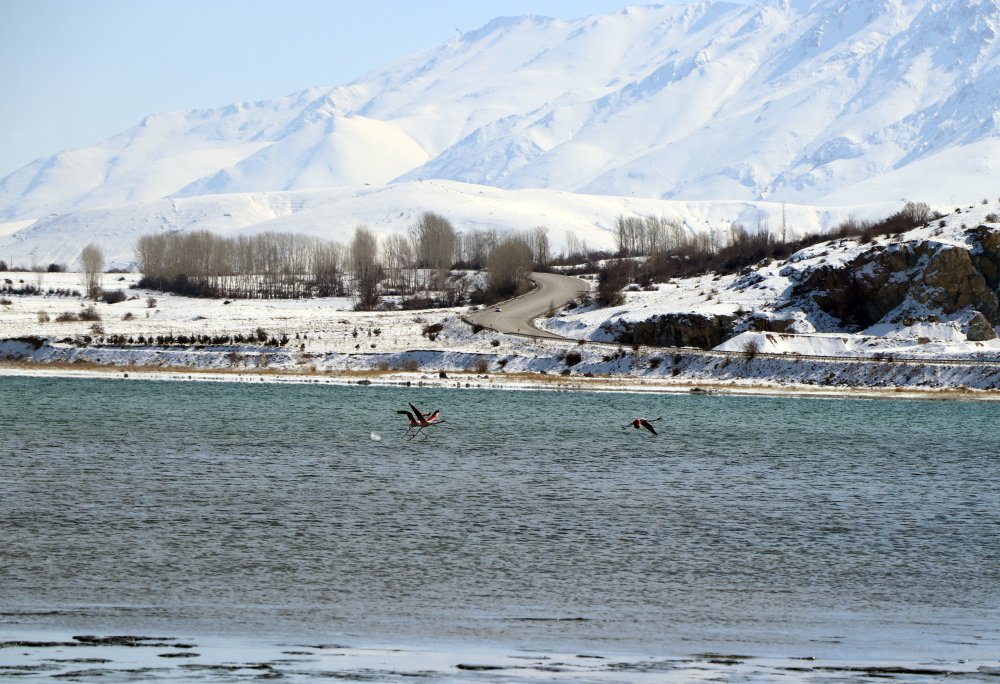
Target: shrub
{"points": [[481, 365], [411, 365], [495, 343], [150, 302], [43, 317], [97, 329], [128, 316], [751, 348], [90, 314], [612, 279], [572, 358], [416, 303], [67, 317], [113, 296], [432, 329], [5, 302]]}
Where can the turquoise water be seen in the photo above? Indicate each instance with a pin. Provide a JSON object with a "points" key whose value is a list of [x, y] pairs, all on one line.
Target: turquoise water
{"points": [[760, 525]]}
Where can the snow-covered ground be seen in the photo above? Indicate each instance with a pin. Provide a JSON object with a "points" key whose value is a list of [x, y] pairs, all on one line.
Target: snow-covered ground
{"points": [[325, 335], [457, 356], [762, 292]]}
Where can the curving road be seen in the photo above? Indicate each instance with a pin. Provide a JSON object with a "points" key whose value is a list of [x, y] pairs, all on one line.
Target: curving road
{"points": [[517, 315]]}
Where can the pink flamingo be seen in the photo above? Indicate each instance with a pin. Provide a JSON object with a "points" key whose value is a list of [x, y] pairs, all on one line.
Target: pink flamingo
{"points": [[420, 421], [643, 423]]}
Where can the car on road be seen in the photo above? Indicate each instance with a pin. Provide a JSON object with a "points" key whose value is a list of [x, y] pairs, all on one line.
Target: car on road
{"points": [[497, 309]]}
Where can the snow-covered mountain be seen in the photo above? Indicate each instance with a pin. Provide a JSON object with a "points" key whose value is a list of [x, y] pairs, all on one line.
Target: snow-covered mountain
{"points": [[844, 104]]}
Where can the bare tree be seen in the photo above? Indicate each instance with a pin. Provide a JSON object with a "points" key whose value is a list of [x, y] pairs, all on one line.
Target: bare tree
{"points": [[476, 246], [366, 267], [92, 262], [538, 238], [575, 248], [397, 256], [326, 268], [434, 241], [38, 270], [508, 265]]}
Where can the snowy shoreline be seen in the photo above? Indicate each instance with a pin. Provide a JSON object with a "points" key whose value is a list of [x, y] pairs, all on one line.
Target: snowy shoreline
{"points": [[502, 381]]}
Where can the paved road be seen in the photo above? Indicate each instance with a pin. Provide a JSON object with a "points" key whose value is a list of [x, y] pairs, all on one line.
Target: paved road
{"points": [[517, 315]]}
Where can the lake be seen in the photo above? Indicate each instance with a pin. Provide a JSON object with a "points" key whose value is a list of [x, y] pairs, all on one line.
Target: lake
{"points": [[763, 527]]}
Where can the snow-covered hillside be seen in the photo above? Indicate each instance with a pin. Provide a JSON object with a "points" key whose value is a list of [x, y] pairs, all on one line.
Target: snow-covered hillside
{"points": [[333, 213], [849, 104], [769, 305]]}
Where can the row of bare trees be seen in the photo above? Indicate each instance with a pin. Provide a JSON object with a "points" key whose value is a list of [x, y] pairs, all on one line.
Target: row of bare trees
{"points": [[266, 265], [649, 235], [283, 265]]}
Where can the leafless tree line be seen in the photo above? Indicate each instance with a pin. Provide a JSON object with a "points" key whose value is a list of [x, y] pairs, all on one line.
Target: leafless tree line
{"points": [[285, 265], [670, 251], [266, 265], [649, 235]]}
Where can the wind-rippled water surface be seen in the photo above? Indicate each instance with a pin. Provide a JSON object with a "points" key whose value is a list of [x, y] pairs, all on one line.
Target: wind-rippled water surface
{"points": [[767, 525]]}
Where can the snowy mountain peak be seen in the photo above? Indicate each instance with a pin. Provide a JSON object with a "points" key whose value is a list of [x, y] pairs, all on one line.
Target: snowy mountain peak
{"points": [[823, 102]]}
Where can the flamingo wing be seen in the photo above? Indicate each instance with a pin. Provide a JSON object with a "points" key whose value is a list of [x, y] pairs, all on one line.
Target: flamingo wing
{"points": [[645, 423], [408, 415], [417, 413]]}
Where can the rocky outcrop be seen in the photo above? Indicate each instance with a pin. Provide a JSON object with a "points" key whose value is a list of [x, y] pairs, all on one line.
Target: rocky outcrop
{"points": [[765, 323], [985, 253], [906, 278], [675, 330], [978, 329]]}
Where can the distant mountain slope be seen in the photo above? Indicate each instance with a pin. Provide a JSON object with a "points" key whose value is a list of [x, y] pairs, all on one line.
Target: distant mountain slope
{"points": [[819, 102], [333, 213]]}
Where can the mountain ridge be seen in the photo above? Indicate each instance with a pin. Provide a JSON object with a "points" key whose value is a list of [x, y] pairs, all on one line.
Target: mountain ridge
{"points": [[806, 102]]}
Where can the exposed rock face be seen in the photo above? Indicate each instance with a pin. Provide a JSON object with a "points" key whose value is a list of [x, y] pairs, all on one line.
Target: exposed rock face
{"points": [[906, 277], [986, 254], [978, 329], [762, 323], [676, 330]]}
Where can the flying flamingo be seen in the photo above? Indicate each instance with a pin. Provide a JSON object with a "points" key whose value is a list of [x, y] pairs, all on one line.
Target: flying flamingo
{"points": [[419, 420], [643, 423]]}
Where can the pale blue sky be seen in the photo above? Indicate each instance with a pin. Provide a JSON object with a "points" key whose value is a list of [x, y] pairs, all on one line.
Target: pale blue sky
{"points": [[74, 72]]}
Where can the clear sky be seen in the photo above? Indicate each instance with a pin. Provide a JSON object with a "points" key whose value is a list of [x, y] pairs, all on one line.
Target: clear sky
{"points": [[74, 72]]}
